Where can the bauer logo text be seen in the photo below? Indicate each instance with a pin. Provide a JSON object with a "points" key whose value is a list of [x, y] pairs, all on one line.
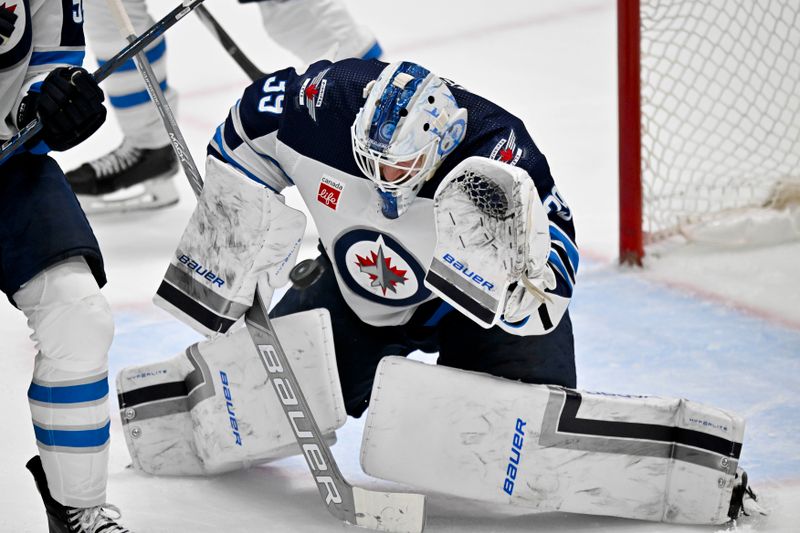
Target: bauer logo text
{"points": [[513, 459], [226, 391], [294, 406], [201, 271], [470, 274]]}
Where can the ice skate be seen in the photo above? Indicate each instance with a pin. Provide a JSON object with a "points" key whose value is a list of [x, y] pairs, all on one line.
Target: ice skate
{"points": [[744, 501], [126, 179], [64, 519]]}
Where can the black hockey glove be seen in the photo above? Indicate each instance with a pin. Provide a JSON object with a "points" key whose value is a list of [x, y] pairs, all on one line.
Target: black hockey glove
{"points": [[69, 105], [7, 20]]}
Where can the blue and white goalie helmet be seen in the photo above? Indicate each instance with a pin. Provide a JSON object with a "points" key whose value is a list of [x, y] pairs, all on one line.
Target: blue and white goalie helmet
{"points": [[408, 124]]}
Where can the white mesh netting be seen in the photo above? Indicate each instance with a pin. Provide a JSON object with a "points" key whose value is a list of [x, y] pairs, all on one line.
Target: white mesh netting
{"points": [[720, 88]]}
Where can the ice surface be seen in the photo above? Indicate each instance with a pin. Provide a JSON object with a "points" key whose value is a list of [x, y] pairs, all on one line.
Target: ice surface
{"points": [[713, 325]]}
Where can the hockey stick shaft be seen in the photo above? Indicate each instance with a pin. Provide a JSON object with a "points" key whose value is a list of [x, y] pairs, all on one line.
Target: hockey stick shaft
{"points": [[224, 38], [383, 511], [154, 32], [154, 90], [334, 489]]}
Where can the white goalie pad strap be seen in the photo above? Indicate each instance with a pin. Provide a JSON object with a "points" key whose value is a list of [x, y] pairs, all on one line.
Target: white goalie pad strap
{"points": [[210, 409], [481, 214], [550, 449], [154, 408], [238, 231], [238, 420]]}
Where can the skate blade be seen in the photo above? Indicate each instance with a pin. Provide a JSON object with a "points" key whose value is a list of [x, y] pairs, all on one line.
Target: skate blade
{"points": [[153, 194]]}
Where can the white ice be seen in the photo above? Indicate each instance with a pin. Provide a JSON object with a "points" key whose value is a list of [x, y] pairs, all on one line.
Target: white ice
{"points": [[716, 325]]}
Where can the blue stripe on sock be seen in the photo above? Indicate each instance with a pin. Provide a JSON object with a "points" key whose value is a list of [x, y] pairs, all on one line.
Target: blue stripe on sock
{"points": [[88, 392], [85, 438], [133, 99], [73, 58], [152, 55], [373, 53]]}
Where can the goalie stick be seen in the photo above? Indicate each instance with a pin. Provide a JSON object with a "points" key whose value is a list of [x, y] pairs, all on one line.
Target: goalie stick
{"points": [[252, 71], [154, 32], [383, 511], [154, 90]]}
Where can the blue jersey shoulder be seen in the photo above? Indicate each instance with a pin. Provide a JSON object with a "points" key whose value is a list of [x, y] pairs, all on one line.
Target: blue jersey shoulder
{"points": [[321, 108]]}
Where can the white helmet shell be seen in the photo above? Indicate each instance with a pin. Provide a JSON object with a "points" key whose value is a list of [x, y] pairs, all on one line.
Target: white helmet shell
{"points": [[409, 123]]}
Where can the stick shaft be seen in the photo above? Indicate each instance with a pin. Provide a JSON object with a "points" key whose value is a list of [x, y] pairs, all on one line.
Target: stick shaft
{"points": [[155, 92], [252, 71], [153, 33]]}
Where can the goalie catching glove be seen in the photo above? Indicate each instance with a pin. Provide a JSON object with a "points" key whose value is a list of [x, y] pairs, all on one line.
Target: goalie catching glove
{"points": [[492, 248]]}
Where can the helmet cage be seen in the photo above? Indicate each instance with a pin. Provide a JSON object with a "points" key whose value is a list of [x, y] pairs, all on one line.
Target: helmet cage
{"points": [[415, 167]]}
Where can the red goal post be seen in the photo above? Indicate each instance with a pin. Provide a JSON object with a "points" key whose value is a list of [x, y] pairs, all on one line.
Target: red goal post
{"points": [[709, 113]]}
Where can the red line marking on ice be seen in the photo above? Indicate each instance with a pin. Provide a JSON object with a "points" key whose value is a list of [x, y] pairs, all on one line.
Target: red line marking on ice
{"points": [[753, 311], [692, 290]]}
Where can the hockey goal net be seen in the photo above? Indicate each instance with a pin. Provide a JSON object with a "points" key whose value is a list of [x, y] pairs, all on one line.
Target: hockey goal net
{"points": [[709, 104]]}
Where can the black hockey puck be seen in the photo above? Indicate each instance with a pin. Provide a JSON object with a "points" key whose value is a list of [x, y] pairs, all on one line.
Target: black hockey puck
{"points": [[306, 273]]}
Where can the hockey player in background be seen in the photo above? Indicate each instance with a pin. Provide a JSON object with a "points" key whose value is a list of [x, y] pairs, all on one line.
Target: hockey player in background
{"points": [[50, 261], [310, 29]]}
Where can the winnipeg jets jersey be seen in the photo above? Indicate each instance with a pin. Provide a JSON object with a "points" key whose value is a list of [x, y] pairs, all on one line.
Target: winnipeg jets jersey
{"points": [[294, 129], [47, 34]]}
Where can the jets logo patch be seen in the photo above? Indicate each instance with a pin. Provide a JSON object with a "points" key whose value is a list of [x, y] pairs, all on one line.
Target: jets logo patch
{"points": [[381, 272], [506, 150], [378, 268], [312, 93], [16, 45]]}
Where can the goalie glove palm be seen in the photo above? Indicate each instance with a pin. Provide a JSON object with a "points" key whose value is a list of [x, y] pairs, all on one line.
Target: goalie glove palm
{"points": [[492, 236]]}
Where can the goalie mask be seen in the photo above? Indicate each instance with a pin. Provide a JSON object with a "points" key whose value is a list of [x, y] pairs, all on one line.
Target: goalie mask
{"points": [[408, 124]]}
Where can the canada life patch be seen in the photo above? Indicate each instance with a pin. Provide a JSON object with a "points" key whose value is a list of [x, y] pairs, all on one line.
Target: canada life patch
{"points": [[378, 268], [329, 192], [506, 150]]}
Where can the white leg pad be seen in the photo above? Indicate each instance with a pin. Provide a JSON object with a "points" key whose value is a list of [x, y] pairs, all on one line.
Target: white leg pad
{"points": [[548, 448], [227, 416], [237, 417], [154, 408]]}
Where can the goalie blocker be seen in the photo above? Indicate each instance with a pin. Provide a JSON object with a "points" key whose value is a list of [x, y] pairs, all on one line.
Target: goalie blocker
{"points": [[240, 233], [211, 410], [550, 448]]}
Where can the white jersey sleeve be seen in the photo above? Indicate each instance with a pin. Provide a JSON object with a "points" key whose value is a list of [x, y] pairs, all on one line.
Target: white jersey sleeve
{"points": [[248, 139], [47, 34]]}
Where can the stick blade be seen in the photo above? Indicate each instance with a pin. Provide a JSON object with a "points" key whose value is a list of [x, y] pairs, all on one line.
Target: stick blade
{"points": [[398, 512]]}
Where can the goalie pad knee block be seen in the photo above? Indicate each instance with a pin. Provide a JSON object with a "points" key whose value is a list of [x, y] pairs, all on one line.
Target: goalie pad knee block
{"points": [[222, 414], [548, 448], [154, 408], [240, 232]]}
